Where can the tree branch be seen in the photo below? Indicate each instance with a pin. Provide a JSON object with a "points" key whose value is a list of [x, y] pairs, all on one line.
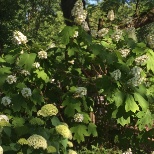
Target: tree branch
{"points": [[141, 20]]}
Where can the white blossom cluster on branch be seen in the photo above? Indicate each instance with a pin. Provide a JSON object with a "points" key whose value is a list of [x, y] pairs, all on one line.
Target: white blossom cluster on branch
{"points": [[37, 141], [117, 35], [141, 60], [78, 117], [1, 150], [116, 74], [42, 54], [48, 110], [25, 72], [36, 65], [26, 92], [64, 131], [19, 38], [124, 52], [150, 40], [79, 13], [81, 91], [137, 79], [6, 101], [70, 151], [11, 79], [110, 15], [102, 32]]}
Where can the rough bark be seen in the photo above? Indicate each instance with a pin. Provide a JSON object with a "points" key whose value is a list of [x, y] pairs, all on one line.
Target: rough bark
{"points": [[141, 20]]}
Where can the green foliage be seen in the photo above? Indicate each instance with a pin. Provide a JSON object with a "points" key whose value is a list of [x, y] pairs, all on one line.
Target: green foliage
{"points": [[76, 76]]}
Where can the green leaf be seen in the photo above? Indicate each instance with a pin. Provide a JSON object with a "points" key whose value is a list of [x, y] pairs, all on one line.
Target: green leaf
{"points": [[71, 105], [18, 103], [150, 91], [41, 74], [55, 121], [2, 60], [131, 104], [64, 143], [150, 61], [130, 61], [141, 45], [145, 119], [20, 86], [86, 117], [3, 78], [80, 131], [92, 129], [20, 131], [26, 60], [142, 102], [114, 113], [7, 131], [5, 70], [71, 51], [138, 50], [96, 49], [118, 98], [36, 97], [10, 59], [18, 122], [123, 121], [67, 33]]}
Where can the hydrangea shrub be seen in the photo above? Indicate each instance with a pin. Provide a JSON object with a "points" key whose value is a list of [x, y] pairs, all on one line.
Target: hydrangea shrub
{"points": [[48, 94]]}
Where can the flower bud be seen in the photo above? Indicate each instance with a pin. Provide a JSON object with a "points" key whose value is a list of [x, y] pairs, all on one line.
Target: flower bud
{"points": [[110, 15]]}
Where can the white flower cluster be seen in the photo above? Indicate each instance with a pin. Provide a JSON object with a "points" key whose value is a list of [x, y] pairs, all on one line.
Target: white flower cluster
{"points": [[93, 32], [117, 35], [124, 52], [129, 151], [48, 110], [4, 117], [1, 150], [22, 141], [131, 32], [110, 15], [141, 60], [52, 45], [78, 12], [116, 74], [78, 117], [76, 33], [136, 71], [25, 72], [42, 54], [10, 79], [85, 26], [6, 101], [26, 92], [19, 38], [71, 151], [71, 62], [70, 144], [81, 91], [137, 79], [64, 131], [37, 141], [150, 40], [102, 32], [36, 65]]}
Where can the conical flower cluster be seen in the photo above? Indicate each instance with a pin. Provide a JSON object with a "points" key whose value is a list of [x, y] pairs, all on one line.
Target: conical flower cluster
{"points": [[48, 110], [37, 141], [64, 131]]}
